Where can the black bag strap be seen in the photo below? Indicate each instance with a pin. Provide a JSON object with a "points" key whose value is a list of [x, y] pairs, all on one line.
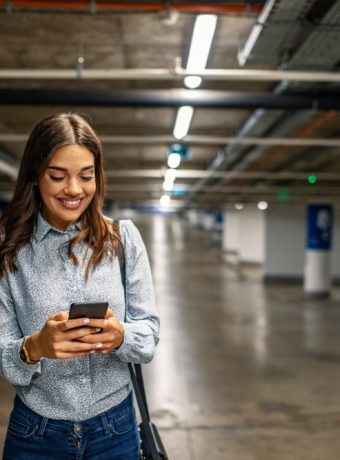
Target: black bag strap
{"points": [[136, 373]]}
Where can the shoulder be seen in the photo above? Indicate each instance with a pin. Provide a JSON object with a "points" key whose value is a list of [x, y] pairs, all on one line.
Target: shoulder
{"points": [[129, 232]]}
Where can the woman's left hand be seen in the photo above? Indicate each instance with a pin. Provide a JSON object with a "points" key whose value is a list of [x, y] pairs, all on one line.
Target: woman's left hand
{"points": [[111, 335]]}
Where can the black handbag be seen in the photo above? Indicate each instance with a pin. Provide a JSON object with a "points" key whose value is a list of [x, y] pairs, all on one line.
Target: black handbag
{"points": [[152, 447]]}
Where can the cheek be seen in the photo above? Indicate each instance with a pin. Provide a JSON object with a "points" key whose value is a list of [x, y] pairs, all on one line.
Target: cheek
{"points": [[91, 190], [48, 191]]}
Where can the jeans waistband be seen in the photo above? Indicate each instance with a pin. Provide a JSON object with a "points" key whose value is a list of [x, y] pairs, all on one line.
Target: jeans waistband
{"points": [[65, 425]]}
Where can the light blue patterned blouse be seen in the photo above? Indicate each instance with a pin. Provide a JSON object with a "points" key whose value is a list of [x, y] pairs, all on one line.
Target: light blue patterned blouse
{"points": [[47, 282]]}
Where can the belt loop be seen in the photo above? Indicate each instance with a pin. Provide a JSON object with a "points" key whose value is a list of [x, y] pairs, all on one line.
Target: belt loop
{"points": [[105, 423], [42, 427]]}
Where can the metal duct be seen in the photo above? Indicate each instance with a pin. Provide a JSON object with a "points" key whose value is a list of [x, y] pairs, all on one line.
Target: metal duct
{"points": [[167, 98], [321, 49], [278, 20], [169, 74]]}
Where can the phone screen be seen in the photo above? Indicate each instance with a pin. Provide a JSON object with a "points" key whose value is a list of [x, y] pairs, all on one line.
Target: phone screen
{"points": [[88, 310]]}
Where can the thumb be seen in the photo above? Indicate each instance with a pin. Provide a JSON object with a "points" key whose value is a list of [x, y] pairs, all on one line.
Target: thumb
{"points": [[109, 314], [60, 316]]}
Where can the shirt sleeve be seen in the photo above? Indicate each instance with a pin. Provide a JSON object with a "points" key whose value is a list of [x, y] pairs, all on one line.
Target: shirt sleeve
{"points": [[12, 368], [142, 322]]}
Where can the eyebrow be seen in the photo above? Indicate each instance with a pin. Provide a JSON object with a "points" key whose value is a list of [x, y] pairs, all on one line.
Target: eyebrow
{"points": [[59, 168]]}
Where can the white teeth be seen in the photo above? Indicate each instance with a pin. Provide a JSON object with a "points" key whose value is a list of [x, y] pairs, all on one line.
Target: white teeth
{"points": [[71, 203]]}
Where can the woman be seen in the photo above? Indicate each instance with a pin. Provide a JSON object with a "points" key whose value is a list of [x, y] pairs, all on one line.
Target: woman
{"points": [[71, 375]]}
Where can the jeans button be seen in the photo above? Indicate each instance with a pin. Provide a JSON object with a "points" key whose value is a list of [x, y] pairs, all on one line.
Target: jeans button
{"points": [[76, 427]]}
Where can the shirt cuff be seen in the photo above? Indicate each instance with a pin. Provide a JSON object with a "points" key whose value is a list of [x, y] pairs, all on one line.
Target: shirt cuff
{"points": [[31, 368], [128, 343]]}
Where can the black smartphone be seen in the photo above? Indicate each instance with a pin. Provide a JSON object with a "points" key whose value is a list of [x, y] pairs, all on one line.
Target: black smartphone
{"points": [[88, 310]]}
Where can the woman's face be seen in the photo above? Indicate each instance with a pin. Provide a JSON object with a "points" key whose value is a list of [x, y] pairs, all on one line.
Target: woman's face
{"points": [[67, 185]]}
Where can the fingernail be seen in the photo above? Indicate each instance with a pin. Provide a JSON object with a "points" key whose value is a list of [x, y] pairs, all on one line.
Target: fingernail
{"points": [[86, 320], [98, 329], [99, 345], [92, 351]]}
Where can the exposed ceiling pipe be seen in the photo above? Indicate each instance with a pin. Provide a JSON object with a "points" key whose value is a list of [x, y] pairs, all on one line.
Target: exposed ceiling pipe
{"points": [[170, 74], [199, 140], [95, 6], [296, 189], [167, 98], [195, 173], [236, 189]]}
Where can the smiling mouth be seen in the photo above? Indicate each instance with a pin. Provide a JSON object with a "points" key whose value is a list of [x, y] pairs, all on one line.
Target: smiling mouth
{"points": [[70, 204]]}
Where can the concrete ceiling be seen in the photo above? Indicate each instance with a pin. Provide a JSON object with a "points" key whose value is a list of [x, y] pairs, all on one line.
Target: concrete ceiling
{"points": [[134, 113]]}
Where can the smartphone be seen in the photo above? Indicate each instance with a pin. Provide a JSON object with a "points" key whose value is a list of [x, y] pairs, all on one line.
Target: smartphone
{"points": [[88, 310]]}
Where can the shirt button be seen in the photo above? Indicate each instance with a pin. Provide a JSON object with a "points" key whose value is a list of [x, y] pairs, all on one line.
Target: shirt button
{"points": [[76, 427], [83, 380]]}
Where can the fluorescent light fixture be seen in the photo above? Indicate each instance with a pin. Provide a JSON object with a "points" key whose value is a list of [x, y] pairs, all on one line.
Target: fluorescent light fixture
{"points": [[201, 41], [168, 185], [192, 81], [247, 49], [174, 160], [165, 200], [183, 121], [262, 205], [170, 175]]}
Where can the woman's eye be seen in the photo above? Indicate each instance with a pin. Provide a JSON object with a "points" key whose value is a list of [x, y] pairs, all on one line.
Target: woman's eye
{"points": [[56, 178], [86, 178]]}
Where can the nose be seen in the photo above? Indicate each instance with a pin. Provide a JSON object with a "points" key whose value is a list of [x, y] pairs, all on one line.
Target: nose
{"points": [[73, 188]]}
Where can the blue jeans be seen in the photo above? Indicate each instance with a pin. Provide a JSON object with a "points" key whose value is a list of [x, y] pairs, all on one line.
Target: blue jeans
{"points": [[112, 435]]}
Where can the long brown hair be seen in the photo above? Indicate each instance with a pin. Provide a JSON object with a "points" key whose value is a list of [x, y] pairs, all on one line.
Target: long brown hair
{"points": [[19, 219]]}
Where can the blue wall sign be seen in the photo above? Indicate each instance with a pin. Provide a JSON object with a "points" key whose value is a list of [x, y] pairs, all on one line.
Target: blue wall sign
{"points": [[319, 226]]}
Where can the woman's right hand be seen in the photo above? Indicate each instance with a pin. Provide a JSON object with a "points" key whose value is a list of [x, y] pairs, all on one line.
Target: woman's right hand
{"points": [[58, 339]]}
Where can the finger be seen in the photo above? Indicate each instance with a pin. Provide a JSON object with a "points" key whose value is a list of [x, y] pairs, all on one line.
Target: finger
{"points": [[77, 333], [73, 323], [100, 337], [78, 346], [101, 323]]}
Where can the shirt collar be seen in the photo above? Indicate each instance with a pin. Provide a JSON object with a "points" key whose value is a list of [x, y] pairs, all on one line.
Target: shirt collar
{"points": [[43, 227]]}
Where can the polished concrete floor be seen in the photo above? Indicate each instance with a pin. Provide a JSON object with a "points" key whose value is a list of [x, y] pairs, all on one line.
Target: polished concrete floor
{"points": [[244, 371]]}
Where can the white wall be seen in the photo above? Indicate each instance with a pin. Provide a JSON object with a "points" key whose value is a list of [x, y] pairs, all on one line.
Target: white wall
{"points": [[285, 242], [244, 233], [230, 233]]}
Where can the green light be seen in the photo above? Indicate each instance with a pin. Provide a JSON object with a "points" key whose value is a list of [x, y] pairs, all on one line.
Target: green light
{"points": [[284, 195], [312, 179]]}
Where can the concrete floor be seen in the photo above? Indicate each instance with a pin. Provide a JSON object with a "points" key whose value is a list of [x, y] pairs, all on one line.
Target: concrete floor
{"points": [[244, 371]]}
